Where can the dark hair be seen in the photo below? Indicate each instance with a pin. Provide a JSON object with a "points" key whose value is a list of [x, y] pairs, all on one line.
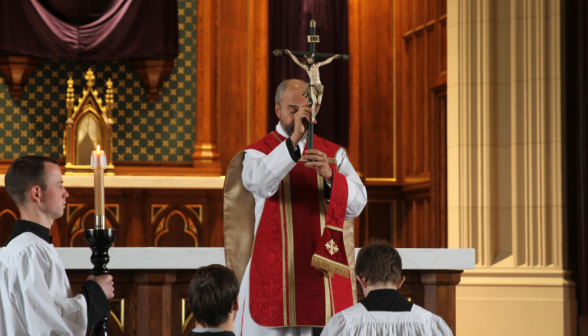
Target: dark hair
{"points": [[379, 262], [23, 174], [213, 291]]}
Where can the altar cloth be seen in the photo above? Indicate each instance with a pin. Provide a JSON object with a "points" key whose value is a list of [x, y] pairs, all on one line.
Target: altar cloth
{"points": [[157, 258]]}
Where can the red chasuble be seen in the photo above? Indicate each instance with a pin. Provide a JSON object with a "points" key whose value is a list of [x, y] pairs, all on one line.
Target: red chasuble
{"points": [[299, 273]]}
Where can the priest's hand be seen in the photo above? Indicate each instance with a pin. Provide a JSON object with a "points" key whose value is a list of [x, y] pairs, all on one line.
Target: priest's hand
{"points": [[301, 119], [106, 283], [320, 163]]}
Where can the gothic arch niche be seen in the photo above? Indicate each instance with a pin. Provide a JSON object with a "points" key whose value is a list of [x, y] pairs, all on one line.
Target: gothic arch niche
{"points": [[88, 124], [176, 225]]}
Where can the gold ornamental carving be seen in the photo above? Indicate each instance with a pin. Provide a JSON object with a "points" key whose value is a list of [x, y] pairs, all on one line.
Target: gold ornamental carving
{"points": [[88, 124]]}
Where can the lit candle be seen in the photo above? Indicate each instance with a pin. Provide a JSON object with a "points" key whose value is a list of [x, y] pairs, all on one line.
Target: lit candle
{"points": [[98, 163]]}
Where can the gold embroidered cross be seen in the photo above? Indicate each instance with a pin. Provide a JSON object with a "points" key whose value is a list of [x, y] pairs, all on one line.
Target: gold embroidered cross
{"points": [[332, 247]]}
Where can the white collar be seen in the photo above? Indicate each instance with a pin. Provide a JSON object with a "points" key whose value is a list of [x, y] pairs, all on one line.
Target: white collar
{"points": [[212, 330]]}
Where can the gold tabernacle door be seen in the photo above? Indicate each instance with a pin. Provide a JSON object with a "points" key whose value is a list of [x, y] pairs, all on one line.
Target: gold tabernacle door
{"points": [[88, 124]]}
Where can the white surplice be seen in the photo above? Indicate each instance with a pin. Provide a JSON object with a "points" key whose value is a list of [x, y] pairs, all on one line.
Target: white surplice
{"points": [[262, 175], [358, 321], [35, 295]]}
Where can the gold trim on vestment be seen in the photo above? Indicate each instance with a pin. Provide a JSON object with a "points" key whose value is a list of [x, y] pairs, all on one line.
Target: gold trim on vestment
{"points": [[330, 266], [280, 190], [328, 312], [321, 194], [332, 299], [334, 228], [322, 216], [277, 137], [290, 232], [349, 239]]}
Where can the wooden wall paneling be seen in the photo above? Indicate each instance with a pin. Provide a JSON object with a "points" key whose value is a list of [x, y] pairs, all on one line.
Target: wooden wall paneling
{"points": [[376, 90], [234, 83], [206, 157], [354, 91], [214, 217], [380, 216], [421, 101], [257, 69], [231, 95], [135, 217], [439, 167], [132, 218], [176, 218]]}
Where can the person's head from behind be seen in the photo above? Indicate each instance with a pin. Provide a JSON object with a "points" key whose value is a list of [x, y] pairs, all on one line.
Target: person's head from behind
{"points": [[35, 184], [378, 266], [213, 296]]}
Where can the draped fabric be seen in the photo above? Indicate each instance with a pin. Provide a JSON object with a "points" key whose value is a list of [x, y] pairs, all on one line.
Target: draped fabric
{"points": [[89, 29], [289, 26]]}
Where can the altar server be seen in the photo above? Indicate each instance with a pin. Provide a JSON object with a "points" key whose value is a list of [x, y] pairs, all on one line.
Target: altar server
{"points": [[213, 295], [35, 295], [384, 311]]}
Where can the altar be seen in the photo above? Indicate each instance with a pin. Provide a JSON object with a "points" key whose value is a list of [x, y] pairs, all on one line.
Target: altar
{"points": [[151, 284]]}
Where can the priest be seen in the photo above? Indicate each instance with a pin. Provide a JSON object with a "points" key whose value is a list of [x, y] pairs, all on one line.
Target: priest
{"points": [[35, 295], [288, 225]]}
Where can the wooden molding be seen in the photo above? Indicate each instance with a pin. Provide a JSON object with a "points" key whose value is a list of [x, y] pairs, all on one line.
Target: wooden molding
{"points": [[354, 146], [205, 157], [17, 69], [257, 69], [152, 73]]}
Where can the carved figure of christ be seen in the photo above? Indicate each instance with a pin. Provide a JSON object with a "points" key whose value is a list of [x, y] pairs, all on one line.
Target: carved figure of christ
{"points": [[314, 89]]}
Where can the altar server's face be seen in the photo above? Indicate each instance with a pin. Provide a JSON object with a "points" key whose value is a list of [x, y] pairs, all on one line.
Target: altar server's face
{"points": [[53, 197], [289, 105]]}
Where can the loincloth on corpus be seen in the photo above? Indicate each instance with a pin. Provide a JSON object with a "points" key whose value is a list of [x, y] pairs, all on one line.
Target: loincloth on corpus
{"points": [[317, 89]]}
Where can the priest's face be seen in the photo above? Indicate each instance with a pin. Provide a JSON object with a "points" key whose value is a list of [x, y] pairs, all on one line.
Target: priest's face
{"points": [[289, 105], [53, 197]]}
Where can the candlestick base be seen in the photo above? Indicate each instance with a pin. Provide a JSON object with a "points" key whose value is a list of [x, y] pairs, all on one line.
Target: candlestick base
{"points": [[99, 241]]}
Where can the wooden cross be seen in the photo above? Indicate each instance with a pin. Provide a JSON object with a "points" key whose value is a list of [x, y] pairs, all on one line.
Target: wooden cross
{"points": [[312, 39]]}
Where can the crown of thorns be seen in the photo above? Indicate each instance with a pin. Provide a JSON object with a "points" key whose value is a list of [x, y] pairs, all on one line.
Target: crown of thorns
{"points": [[310, 56]]}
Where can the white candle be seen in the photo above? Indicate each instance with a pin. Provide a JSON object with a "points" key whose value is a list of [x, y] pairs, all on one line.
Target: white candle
{"points": [[98, 163]]}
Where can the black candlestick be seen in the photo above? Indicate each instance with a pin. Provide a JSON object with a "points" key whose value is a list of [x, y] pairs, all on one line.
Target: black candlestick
{"points": [[99, 241]]}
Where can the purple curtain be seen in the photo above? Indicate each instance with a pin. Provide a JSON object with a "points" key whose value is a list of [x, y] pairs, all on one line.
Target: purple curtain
{"points": [[89, 29], [289, 25]]}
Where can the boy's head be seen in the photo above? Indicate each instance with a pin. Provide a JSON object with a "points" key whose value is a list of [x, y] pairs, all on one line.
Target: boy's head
{"points": [[379, 265], [35, 184], [213, 295]]}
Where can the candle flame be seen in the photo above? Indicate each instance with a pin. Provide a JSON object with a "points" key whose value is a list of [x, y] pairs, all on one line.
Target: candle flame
{"points": [[98, 148]]}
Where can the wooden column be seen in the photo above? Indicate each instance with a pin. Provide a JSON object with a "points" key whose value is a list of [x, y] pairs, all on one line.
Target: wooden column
{"points": [[205, 157], [154, 302], [257, 69], [232, 72], [439, 294]]}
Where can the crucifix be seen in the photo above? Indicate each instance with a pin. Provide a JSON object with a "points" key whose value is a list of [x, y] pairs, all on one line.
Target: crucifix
{"points": [[314, 89]]}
